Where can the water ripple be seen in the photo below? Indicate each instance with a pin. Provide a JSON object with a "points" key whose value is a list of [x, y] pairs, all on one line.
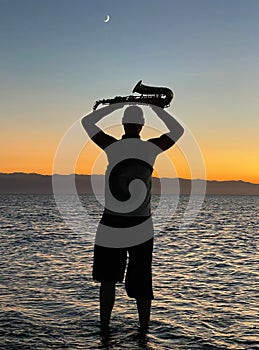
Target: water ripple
{"points": [[206, 280]]}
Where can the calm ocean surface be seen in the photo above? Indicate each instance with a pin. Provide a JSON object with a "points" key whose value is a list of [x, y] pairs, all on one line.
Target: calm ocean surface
{"points": [[206, 280]]}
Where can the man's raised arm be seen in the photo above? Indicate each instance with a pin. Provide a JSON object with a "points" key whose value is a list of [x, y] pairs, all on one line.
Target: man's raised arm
{"points": [[89, 122], [167, 140]]}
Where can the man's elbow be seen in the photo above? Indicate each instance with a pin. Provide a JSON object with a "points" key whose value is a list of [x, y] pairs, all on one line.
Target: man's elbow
{"points": [[180, 132], [84, 122], [176, 134]]}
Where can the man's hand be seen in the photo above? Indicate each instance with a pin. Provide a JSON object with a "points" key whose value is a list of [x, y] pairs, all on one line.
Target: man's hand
{"points": [[115, 106], [154, 108]]}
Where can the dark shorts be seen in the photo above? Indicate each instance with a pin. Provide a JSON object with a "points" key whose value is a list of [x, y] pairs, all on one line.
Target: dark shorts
{"points": [[110, 265]]}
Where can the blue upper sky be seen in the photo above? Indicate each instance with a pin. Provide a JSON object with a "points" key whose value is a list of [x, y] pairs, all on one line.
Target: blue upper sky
{"points": [[64, 47]]}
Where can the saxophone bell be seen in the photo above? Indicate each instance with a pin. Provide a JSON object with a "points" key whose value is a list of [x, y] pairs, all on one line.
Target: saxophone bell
{"points": [[163, 95]]}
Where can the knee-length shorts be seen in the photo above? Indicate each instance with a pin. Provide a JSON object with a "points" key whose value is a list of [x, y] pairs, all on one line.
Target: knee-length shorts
{"points": [[110, 265]]}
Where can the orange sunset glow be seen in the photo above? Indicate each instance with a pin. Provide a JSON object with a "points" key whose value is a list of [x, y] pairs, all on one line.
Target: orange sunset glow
{"points": [[34, 155]]}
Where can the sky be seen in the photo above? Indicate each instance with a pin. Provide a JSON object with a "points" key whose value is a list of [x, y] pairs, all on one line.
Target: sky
{"points": [[59, 56]]}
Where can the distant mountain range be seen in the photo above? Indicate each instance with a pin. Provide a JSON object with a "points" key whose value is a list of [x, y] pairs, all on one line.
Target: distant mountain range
{"points": [[22, 183]]}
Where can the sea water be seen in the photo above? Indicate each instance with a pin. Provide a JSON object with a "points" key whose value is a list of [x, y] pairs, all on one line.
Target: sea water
{"points": [[206, 279]]}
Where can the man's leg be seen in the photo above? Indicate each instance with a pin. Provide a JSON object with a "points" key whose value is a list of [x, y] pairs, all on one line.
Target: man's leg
{"points": [[139, 281], [144, 308], [108, 267], [107, 298]]}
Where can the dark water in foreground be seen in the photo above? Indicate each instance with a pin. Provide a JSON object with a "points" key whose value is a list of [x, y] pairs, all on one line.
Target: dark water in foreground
{"points": [[206, 280]]}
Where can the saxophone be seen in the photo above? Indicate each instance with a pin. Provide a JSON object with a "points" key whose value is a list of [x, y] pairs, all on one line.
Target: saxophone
{"points": [[158, 96]]}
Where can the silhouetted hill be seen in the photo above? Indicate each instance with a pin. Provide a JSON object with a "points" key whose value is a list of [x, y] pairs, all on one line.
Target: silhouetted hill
{"points": [[42, 184]]}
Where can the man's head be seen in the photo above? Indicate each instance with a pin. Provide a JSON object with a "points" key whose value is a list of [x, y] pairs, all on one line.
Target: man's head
{"points": [[133, 120]]}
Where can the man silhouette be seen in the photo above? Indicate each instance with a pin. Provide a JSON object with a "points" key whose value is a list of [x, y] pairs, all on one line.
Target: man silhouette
{"points": [[126, 227]]}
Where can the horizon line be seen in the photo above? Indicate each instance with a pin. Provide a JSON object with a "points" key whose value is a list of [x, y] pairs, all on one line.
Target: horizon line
{"points": [[164, 177]]}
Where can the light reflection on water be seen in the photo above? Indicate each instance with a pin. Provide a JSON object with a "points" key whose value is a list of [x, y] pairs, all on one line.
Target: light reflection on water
{"points": [[205, 280]]}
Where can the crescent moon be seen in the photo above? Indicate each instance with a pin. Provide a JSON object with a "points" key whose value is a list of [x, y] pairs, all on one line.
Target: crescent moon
{"points": [[107, 19]]}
